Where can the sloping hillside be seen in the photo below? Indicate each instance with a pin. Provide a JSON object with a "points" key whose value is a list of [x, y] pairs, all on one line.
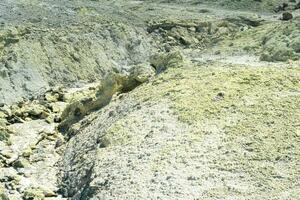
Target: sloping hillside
{"points": [[149, 99]]}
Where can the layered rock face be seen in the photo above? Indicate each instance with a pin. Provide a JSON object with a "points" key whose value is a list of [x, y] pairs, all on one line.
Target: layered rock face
{"points": [[149, 99]]}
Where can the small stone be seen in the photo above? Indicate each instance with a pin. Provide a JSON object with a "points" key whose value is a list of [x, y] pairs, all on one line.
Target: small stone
{"points": [[142, 73], [58, 107], [49, 193], [76, 57], [219, 96], [286, 16], [192, 29], [51, 138], [28, 119], [33, 147], [21, 163], [50, 119], [50, 97], [35, 111], [27, 152], [218, 52], [57, 119], [44, 115]]}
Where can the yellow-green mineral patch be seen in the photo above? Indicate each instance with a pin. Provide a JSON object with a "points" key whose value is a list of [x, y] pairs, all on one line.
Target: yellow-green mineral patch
{"points": [[253, 111], [205, 92]]}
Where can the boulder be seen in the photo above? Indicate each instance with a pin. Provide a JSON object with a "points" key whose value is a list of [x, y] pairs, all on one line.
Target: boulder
{"points": [[286, 16]]}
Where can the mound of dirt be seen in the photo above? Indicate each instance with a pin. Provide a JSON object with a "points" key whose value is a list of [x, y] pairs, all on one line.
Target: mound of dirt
{"points": [[191, 133]]}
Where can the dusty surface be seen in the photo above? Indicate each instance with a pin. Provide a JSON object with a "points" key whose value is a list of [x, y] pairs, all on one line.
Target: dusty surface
{"points": [[204, 133], [149, 99]]}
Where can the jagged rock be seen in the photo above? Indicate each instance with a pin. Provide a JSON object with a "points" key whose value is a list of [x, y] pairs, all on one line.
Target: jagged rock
{"points": [[35, 110], [54, 95], [58, 107], [51, 97], [28, 110], [78, 93], [11, 179], [191, 33], [142, 72], [86, 101], [21, 163], [33, 194], [50, 119], [169, 24], [49, 193], [164, 61]]}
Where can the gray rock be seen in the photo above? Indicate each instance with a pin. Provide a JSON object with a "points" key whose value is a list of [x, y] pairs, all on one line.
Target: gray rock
{"points": [[286, 16]]}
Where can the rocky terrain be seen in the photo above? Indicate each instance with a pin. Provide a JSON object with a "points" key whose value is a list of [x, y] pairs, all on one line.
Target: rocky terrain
{"points": [[152, 99]]}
